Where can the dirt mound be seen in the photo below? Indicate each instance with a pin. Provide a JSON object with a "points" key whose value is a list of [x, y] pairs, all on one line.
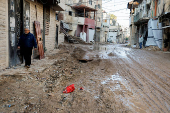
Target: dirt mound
{"points": [[78, 53]]}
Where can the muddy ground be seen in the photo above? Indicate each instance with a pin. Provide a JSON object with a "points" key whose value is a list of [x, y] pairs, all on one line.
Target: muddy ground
{"points": [[115, 79]]}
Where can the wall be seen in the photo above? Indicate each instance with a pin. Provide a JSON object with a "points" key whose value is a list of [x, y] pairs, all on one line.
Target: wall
{"points": [[4, 55], [99, 13], [91, 35], [106, 22], [112, 36], [90, 23], [50, 39], [33, 14], [79, 30]]}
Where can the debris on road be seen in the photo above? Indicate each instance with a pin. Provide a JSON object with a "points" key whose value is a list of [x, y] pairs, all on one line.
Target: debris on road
{"points": [[69, 89], [99, 89], [81, 88]]}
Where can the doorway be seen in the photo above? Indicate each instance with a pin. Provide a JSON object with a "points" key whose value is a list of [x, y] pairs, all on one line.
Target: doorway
{"points": [[17, 19]]}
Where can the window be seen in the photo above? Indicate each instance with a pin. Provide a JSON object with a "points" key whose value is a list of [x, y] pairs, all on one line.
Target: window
{"points": [[90, 2], [99, 6], [95, 6], [98, 19], [70, 13]]}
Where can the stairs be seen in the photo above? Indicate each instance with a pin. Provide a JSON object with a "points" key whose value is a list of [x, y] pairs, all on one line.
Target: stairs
{"points": [[70, 38]]}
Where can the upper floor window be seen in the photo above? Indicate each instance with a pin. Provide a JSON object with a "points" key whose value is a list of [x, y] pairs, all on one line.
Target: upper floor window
{"points": [[90, 2], [98, 19], [99, 6]]}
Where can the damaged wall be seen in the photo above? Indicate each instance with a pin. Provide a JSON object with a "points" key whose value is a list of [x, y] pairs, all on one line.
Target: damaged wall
{"points": [[4, 55], [50, 39]]}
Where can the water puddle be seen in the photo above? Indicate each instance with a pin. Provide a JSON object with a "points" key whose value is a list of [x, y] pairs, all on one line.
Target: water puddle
{"points": [[121, 90]]}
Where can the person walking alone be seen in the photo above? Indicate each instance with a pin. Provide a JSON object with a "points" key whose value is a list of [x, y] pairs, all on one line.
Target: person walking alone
{"points": [[26, 43], [140, 41]]}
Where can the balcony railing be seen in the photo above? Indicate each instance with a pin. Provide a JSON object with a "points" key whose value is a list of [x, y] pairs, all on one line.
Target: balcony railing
{"points": [[140, 16], [106, 29], [106, 24], [78, 20]]}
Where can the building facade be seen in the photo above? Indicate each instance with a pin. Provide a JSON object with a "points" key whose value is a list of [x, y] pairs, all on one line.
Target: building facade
{"points": [[79, 19], [105, 25], [150, 19], [19, 14]]}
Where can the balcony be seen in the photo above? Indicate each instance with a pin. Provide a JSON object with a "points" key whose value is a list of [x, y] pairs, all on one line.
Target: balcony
{"points": [[106, 29], [78, 20], [81, 20], [141, 17], [98, 24]]}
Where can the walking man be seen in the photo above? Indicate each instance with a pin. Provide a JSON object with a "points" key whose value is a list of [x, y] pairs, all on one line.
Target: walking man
{"points": [[26, 43], [140, 41]]}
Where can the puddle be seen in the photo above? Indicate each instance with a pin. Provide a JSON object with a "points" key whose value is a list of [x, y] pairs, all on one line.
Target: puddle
{"points": [[121, 90], [114, 78], [96, 97]]}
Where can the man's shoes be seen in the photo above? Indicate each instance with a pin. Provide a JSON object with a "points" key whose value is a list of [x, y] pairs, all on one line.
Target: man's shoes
{"points": [[27, 66]]}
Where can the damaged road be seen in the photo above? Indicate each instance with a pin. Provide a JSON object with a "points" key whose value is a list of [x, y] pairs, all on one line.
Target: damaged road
{"points": [[114, 79]]}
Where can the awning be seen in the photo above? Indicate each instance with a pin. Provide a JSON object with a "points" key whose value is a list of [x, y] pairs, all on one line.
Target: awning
{"points": [[82, 7]]}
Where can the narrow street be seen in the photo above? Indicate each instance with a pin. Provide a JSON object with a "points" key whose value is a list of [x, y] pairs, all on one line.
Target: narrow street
{"points": [[115, 79]]}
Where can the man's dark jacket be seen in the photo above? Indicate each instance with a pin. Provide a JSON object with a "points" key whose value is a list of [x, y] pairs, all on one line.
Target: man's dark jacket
{"points": [[27, 41]]}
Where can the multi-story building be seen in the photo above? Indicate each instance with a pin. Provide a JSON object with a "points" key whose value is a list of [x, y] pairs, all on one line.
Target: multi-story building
{"points": [[79, 19], [19, 14], [99, 20], [149, 18], [113, 31], [106, 25]]}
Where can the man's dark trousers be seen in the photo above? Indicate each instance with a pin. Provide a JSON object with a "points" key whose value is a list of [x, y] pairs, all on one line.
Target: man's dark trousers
{"points": [[27, 52], [26, 44]]}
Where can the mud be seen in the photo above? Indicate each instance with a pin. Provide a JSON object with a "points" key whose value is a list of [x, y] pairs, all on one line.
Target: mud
{"points": [[115, 79]]}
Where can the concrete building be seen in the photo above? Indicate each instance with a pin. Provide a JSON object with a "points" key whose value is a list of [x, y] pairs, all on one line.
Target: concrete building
{"points": [[79, 19], [106, 25], [120, 36], [99, 20], [149, 18], [15, 15], [113, 33]]}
